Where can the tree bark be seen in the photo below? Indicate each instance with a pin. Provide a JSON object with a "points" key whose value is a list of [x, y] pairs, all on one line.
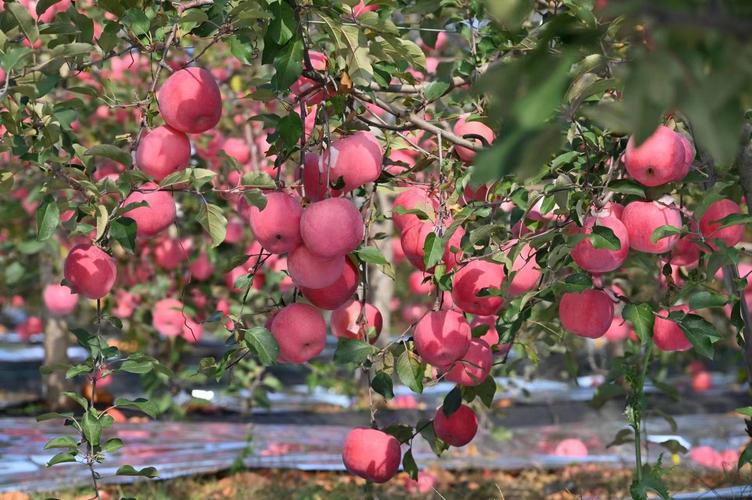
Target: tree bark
{"points": [[744, 167], [54, 384]]}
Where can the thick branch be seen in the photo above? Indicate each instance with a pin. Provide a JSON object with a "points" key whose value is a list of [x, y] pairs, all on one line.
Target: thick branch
{"points": [[744, 167]]}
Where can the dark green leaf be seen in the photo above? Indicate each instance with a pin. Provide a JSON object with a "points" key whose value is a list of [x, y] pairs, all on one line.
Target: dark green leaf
{"points": [[642, 318], [111, 152], [62, 457], [703, 299], [128, 470], [140, 404], [262, 342], [603, 237], [433, 249], [409, 465], [663, 232], [352, 351], [452, 401], [123, 230], [410, 371], [382, 383], [48, 218]]}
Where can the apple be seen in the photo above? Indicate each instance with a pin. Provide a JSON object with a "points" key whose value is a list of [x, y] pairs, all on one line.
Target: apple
{"points": [[601, 260], [90, 271], [371, 454], [158, 213], [300, 331], [190, 101], [162, 152], [442, 337], [415, 198], [277, 225], [470, 280], [475, 365], [661, 158], [710, 223], [59, 299], [332, 227], [312, 271], [571, 447], [356, 158], [642, 218], [464, 127], [667, 335], [588, 313], [201, 268], [346, 321], [457, 429]]}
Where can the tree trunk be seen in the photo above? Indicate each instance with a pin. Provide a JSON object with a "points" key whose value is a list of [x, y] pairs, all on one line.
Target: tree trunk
{"points": [[54, 384], [382, 286]]}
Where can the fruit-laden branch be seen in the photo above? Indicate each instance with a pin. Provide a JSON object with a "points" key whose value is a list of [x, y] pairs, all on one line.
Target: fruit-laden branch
{"points": [[744, 167]]}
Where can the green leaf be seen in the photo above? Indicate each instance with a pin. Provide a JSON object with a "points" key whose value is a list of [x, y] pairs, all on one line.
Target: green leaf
{"points": [[91, 427], [410, 371], [102, 218], [734, 219], [140, 404], [256, 197], [112, 445], [61, 442], [24, 20], [352, 351], [578, 282], [746, 411], [700, 333], [128, 470], [622, 437], [409, 465], [427, 432], [642, 318], [703, 299], [604, 237], [486, 391], [452, 401], [288, 64], [402, 432], [745, 457], [663, 232], [82, 401], [290, 129], [262, 342], [283, 25], [6, 182], [53, 416], [382, 383], [626, 186], [433, 249], [62, 457], [213, 221], [435, 90], [48, 218], [138, 364], [123, 230], [651, 481], [176, 178], [109, 151]]}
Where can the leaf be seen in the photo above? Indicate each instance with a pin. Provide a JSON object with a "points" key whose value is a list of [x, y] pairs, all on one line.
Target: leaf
{"points": [[577, 282], [746, 411], [605, 393], [382, 383], [6, 182], [256, 197], [433, 249], [409, 465], [642, 318], [604, 237], [745, 457], [262, 342], [664, 232], [288, 64], [61, 442], [52, 416], [138, 364], [402, 432], [62, 457], [112, 445], [140, 404], [485, 391], [24, 20], [734, 219], [212, 219], [283, 25], [435, 90], [410, 371], [111, 152], [91, 427], [48, 218], [102, 218], [703, 299], [176, 178], [290, 129], [700, 333], [352, 351], [651, 481], [452, 401], [123, 230], [128, 470]]}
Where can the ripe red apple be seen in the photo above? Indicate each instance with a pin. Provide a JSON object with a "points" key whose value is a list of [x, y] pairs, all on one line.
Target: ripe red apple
{"points": [[442, 337], [420, 284], [413, 244], [660, 159], [588, 313], [346, 321], [300, 332], [277, 226], [154, 217], [315, 177], [571, 447], [641, 218], [371, 454], [601, 260], [686, 252], [201, 268], [238, 149], [163, 151], [90, 271], [312, 271], [415, 198], [667, 335], [526, 271], [457, 429], [190, 101], [332, 227], [168, 317], [619, 330], [470, 280], [304, 86], [357, 158], [710, 224], [463, 127], [339, 292], [491, 336], [59, 299], [474, 367], [171, 253]]}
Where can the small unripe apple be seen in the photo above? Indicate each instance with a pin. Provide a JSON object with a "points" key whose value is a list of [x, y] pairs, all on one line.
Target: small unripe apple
{"points": [[90, 271], [457, 429], [371, 454], [588, 313], [300, 331]]}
